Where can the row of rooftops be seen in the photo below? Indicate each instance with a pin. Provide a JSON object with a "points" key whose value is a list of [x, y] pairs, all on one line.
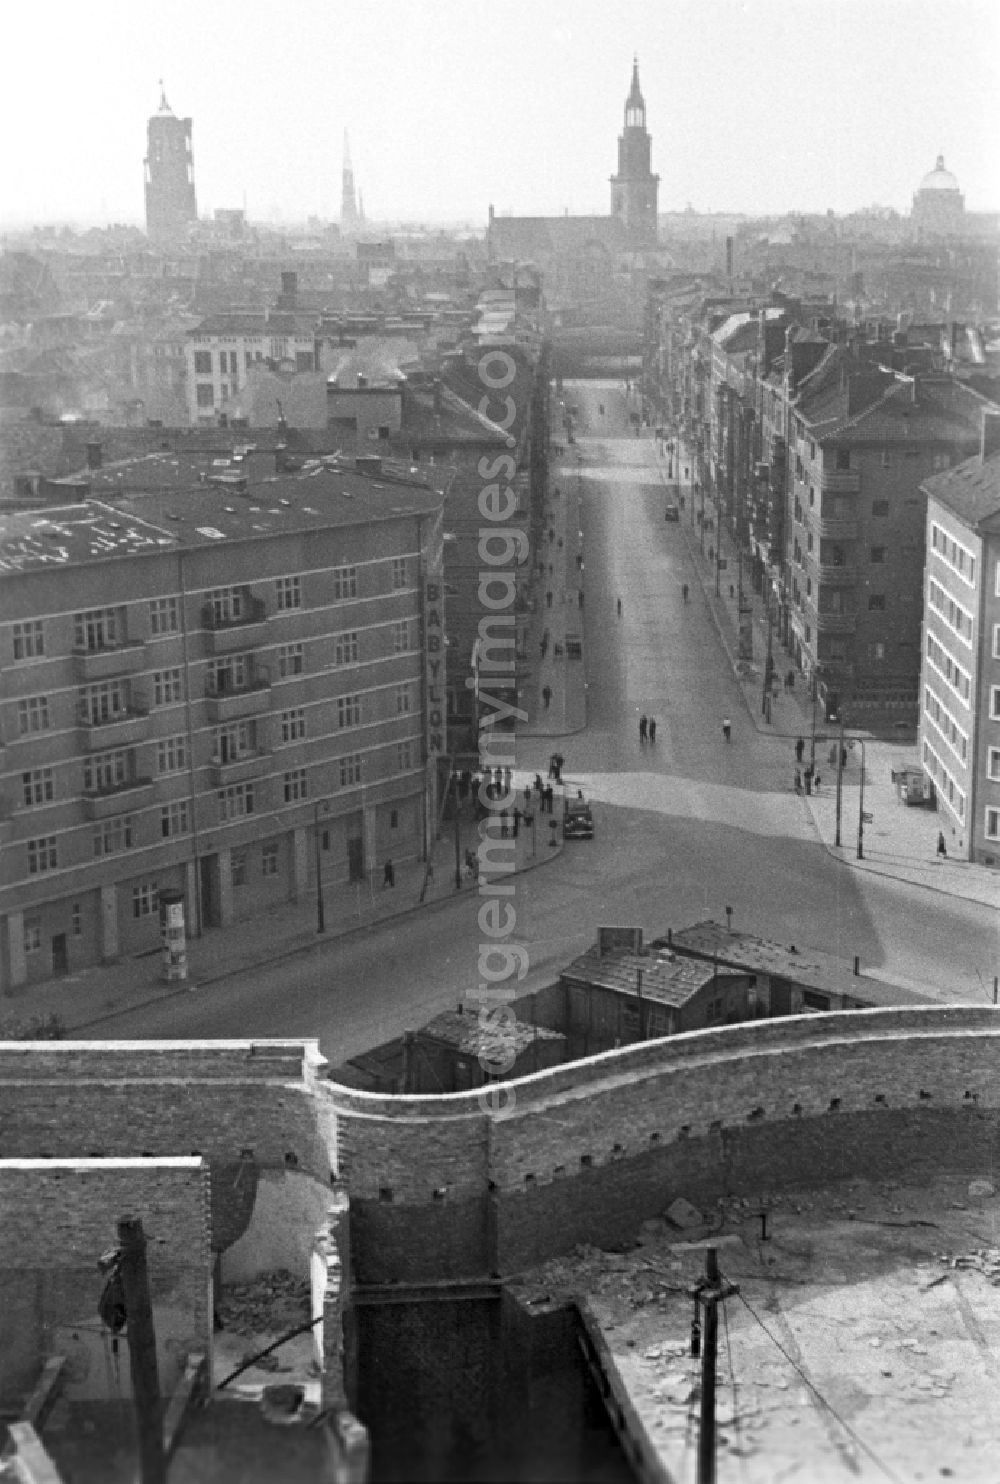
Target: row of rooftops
{"points": [[170, 500], [674, 968]]}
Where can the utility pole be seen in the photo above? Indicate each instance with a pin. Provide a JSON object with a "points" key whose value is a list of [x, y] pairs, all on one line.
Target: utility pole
{"points": [[707, 1294], [142, 1350], [458, 832], [765, 704], [638, 996], [812, 751]]}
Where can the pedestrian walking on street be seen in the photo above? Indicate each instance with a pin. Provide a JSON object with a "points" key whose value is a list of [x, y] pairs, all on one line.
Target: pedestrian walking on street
{"points": [[942, 848], [727, 729], [800, 748], [546, 695], [619, 607], [388, 875], [808, 778], [798, 781], [816, 784], [684, 592], [643, 727], [549, 795], [538, 784], [652, 729]]}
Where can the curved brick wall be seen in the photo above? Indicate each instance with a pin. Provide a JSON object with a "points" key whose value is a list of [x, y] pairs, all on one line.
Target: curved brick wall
{"points": [[442, 1188], [439, 1187]]}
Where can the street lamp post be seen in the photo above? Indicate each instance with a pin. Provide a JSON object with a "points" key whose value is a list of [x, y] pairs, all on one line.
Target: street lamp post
{"points": [[812, 750], [323, 804], [861, 805]]}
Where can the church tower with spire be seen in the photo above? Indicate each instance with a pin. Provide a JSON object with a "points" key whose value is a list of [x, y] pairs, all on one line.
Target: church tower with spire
{"points": [[349, 217], [169, 170], [634, 189]]}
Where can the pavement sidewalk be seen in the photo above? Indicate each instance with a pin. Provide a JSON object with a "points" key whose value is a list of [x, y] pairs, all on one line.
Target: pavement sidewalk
{"points": [[899, 840], [105, 990], [555, 696]]}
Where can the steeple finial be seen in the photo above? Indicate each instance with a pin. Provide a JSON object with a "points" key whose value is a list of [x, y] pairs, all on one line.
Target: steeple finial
{"points": [[164, 105], [347, 151]]}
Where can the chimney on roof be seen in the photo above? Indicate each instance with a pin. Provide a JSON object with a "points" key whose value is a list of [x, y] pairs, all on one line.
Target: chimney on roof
{"points": [[989, 443], [729, 258], [95, 455]]}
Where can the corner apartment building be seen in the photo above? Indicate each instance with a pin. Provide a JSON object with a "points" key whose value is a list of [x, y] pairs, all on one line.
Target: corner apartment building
{"points": [[213, 679], [960, 671], [862, 439]]}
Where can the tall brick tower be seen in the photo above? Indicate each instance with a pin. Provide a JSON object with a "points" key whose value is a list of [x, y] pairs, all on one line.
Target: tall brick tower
{"points": [[634, 189], [170, 202]]}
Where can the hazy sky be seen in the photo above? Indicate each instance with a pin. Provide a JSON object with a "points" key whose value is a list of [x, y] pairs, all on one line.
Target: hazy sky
{"points": [[753, 105]]}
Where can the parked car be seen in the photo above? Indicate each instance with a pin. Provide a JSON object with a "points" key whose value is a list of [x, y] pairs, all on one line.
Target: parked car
{"points": [[578, 821], [671, 511]]}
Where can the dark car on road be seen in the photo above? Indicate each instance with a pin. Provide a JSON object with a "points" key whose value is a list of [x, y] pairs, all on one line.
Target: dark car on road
{"points": [[578, 821], [671, 511]]}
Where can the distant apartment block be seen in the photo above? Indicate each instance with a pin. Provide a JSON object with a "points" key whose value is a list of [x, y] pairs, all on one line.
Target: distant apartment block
{"points": [[960, 674], [210, 687], [224, 348]]}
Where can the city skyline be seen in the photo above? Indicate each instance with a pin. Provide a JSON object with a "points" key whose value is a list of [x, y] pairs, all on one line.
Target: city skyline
{"points": [[805, 113]]}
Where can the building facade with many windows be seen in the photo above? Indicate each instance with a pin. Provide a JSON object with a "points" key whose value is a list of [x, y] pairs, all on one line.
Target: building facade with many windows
{"points": [[210, 688], [960, 674]]}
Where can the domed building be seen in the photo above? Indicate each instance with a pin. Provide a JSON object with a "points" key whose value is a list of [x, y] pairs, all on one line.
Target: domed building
{"points": [[938, 204]]}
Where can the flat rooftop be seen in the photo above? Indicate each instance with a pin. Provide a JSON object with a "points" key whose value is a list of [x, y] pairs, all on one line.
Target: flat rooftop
{"points": [[862, 1343], [163, 500]]}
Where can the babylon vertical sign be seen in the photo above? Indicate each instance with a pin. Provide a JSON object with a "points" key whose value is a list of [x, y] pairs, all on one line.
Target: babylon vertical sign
{"points": [[435, 738]]}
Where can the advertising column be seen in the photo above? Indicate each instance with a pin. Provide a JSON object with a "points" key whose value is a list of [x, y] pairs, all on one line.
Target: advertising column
{"points": [[172, 935]]}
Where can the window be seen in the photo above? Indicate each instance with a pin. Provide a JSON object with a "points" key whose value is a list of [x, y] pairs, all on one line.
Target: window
{"points": [[877, 555], [42, 855], [238, 868], [942, 460], [956, 556], [33, 715], [29, 641], [233, 674], [911, 453], [876, 603], [345, 583], [105, 771], [37, 787], [295, 785], [77, 920], [876, 653], [235, 740], [346, 649], [348, 711], [203, 363], [235, 801], [269, 859], [163, 616], [404, 756], [403, 700], [812, 497], [401, 636], [289, 660], [993, 764], [205, 394], [885, 458], [171, 754], [843, 460], [114, 835], [166, 687], [995, 703], [289, 593], [174, 819], [145, 899], [399, 572], [350, 769], [293, 724], [880, 509], [227, 604], [104, 703], [99, 629], [32, 935]]}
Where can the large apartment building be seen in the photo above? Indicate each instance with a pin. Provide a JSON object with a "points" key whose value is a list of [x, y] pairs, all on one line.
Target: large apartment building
{"points": [[960, 675], [214, 678], [223, 349]]}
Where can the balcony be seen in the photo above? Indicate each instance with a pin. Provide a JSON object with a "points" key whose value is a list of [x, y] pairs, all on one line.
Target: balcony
{"points": [[236, 769], [109, 662], [838, 530], [839, 575], [840, 481], [222, 635], [134, 793], [230, 702], [122, 728], [836, 623]]}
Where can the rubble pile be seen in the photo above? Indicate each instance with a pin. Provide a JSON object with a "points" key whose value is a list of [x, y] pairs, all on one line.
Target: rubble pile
{"points": [[270, 1304]]}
